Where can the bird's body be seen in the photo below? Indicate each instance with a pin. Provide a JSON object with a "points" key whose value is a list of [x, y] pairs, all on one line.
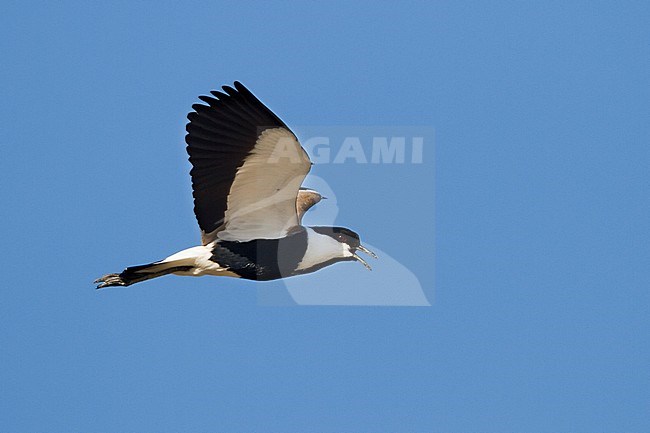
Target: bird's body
{"points": [[247, 170]]}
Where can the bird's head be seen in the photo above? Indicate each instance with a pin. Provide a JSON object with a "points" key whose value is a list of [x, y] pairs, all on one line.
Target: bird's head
{"points": [[350, 242]]}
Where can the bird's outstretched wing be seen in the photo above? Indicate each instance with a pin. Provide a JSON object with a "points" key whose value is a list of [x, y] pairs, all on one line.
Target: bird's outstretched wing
{"points": [[247, 168]]}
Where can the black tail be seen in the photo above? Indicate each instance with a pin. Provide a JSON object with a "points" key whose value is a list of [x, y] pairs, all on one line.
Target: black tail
{"points": [[136, 274]]}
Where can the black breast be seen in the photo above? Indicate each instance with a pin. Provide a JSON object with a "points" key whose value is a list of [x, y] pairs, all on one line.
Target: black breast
{"points": [[263, 259]]}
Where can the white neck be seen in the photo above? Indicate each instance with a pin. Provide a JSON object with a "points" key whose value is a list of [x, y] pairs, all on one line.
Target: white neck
{"points": [[321, 248]]}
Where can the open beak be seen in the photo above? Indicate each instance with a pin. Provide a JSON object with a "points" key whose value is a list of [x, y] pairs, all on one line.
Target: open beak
{"points": [[367, 251], [360, 260], [363, 262]]}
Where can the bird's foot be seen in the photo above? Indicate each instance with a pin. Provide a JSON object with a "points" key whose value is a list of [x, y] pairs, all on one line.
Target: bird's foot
{"points": [[109, 280]]}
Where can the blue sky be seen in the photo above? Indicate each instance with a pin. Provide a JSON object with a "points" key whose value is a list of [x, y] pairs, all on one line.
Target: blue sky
{"points": [[534, 257]]}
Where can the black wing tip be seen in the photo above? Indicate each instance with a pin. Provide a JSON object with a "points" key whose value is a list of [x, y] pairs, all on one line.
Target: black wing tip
{"points": [[238, 90], [218, 95], [230, 91], [198, 107], [208, 100], [227, 92], [243, 90]]}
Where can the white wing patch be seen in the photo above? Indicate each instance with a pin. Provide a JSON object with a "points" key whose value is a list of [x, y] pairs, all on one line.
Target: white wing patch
{"points": [[262, 198]]}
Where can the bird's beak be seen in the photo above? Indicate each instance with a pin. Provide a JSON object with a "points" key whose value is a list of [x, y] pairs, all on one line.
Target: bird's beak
{"points": [[363, 262], [367, 251]]}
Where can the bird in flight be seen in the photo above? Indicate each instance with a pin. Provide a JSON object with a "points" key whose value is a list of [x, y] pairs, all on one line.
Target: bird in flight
{"points": [[247, 172]]}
